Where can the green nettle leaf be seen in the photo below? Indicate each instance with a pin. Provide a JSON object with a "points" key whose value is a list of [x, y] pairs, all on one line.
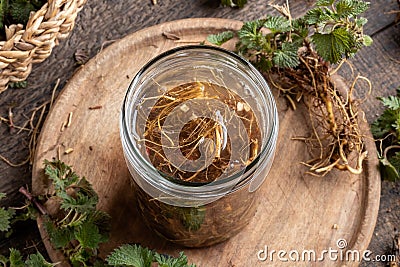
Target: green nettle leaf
{"points": [[361, 21], [80, 257], [333, 46], [86, 187], [324, 2], [80, 204], [350, 8], [367, 40], [387, 127], [2, 195], [167, 261], [319, 17], [60, 174], [18, 85], [277, 24], [395, 162], [391, 102], [300, 28], [383, 125], [5, 219], [263, 64], [37, 260], [220, 38], [286, 57], [103, 222], [314, 16], [16, 258], [131, 255], [59, 237], [88, 235], [250, 35]]}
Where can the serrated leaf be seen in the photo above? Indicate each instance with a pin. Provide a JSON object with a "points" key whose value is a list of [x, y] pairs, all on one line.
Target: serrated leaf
{"points": [[60, 174], [383, 125], [80, 257], [391, 102], [37, 260], [16, 258], [85, 187], [263, 64], [300, 28], [79, 204], [250, 35], [333, 46], [350, 8], [5, 219], [29, 214], [168, 261], [286, 57], [2, 195], [18, 85], [277, 24], [395, 162], [220, 38], [131, 255], [103, 221], [313, 16], [324, 2], [88, 235], [59, 237]]}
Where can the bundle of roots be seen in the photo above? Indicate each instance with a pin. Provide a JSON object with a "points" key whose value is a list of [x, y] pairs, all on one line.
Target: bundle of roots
{"points": [[336, 140]]}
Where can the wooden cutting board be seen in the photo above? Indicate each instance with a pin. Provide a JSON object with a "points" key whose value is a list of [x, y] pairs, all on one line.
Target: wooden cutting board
{"points": [[297, 211]]}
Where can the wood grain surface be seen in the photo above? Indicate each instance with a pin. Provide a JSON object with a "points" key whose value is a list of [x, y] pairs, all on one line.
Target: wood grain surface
{"points": [[296, 210], [101, 22]]}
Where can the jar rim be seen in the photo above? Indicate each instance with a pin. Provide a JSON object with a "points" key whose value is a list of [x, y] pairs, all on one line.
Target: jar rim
{"points": [[201, 190]]}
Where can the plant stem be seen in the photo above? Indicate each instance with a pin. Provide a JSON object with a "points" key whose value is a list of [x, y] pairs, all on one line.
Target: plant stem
{"points": [[29, 196]]}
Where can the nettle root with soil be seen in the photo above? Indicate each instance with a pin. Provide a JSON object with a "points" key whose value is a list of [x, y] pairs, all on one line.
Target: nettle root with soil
{"points": [[336, 140], [300, 57]]}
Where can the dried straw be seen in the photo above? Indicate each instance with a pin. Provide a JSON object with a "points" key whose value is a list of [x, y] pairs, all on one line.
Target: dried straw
{"points": [[23, 47]]}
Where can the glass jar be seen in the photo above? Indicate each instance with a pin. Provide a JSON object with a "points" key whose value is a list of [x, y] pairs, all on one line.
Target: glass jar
{"points": [[198, 127]]}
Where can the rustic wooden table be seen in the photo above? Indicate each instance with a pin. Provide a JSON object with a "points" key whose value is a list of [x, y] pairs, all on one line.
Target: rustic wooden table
{"points": [[101, 22]]}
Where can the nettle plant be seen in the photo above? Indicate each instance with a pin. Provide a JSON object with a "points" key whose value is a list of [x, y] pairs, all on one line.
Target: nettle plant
{"points": [[300, 56], [75, 227], [386, 129]]}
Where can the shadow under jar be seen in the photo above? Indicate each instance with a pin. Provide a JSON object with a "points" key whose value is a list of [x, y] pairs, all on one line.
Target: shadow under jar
{"points": [[198, 127]]}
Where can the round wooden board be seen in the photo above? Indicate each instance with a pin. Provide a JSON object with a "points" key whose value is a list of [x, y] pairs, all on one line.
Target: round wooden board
{"points": [[297, 211]]}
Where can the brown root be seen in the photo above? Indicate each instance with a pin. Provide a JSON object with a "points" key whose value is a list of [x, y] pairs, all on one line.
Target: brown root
{"points": [[336, 140]]}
